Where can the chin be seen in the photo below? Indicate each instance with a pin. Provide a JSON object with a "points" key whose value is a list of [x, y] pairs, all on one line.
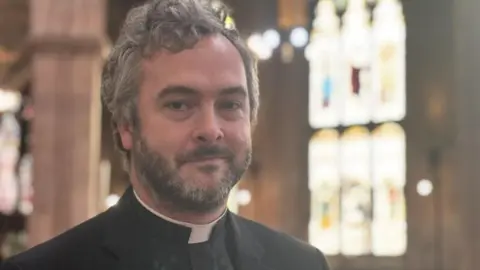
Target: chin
{"points": [[202, 180], [196, 179]]}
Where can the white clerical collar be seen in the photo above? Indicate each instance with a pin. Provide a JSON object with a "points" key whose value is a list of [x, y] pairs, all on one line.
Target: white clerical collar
{"points": [[200, 233]]}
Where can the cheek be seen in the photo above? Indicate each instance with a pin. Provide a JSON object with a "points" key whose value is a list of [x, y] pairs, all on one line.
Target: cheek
{"points": [[162, 136], [239, 137]]}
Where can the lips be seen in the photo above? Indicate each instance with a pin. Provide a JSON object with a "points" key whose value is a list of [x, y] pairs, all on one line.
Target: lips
{"points": [[205, 159], [205, 153]]}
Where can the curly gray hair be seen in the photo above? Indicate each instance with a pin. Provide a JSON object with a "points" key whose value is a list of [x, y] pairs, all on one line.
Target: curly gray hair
{"points": [[172, 25]]}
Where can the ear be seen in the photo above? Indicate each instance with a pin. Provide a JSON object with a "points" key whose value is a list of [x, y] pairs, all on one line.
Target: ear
{"points": [[125, 132]]}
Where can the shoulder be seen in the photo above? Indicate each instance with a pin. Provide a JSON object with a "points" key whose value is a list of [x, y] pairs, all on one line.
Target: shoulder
{"points": [[63, 250], [285, 249], [8, 265]]}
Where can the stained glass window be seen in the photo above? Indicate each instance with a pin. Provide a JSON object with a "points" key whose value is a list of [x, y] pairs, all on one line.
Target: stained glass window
{"points": [[9, 145], [389, 62], [356, 191], [357, 63], [357, 163], [389, 181], [324, 185], [323, 54]]}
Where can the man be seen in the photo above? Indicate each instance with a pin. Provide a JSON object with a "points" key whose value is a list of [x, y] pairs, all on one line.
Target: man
{"points": [[183, 92]]}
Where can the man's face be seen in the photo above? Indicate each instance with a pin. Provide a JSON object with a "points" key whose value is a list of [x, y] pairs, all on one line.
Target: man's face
{"points": [[193, 142]]}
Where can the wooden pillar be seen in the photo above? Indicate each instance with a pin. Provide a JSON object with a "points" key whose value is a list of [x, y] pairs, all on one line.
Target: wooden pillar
{"points": [[465, 185], [278, 176], [292, 13], [428, 128], [256, 16], [444, 113], [67, 39], [292, 148]]}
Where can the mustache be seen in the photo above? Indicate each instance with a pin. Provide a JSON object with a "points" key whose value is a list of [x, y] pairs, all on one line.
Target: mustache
{"points": [[203, 152]]}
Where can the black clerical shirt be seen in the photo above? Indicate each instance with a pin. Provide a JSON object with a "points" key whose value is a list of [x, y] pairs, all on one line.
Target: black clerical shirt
{"points": [[129, 237], [213, 254], [207, 244]]}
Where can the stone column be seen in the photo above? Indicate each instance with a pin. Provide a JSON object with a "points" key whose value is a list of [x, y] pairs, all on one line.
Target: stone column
{"points": [[67, 39]]}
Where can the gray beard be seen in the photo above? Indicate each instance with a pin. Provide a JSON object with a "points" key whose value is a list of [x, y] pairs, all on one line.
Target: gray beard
{"points": [[166, 186]]}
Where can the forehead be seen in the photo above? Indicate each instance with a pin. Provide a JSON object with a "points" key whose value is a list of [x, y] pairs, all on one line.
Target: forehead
{"points": [[212, 64]]}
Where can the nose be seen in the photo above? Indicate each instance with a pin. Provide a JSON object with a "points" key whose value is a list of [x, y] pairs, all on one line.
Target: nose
{"points": [[208, 129]]}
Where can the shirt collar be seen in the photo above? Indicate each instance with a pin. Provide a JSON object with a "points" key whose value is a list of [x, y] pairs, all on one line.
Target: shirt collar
{"points": [[199, 232]]}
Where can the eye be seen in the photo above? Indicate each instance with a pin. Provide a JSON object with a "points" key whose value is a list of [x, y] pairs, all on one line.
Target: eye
{"points": [[230, 105], [177, 106]]}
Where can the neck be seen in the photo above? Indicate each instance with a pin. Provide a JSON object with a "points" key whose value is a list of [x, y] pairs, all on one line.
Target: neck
{"points": [[183, 216]]}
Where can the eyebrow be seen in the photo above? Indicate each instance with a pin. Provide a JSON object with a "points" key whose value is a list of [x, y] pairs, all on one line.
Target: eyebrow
{"points": [[176, 90], [236, 90], [188, 91]]}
